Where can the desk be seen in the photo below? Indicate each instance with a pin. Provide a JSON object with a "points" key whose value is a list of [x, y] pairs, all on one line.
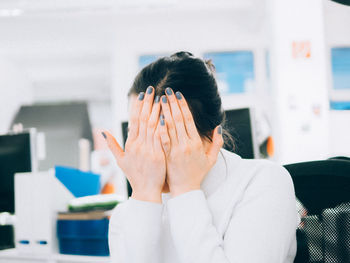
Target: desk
{"points": [[12, 256]]}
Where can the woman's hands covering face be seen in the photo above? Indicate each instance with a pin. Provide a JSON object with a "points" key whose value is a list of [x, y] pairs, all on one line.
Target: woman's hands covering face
{"points": [[166, 148], [187, 160], [143, 160]]}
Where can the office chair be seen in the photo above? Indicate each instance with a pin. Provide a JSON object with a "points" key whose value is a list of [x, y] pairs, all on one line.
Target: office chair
{"points": [[323, 188]]}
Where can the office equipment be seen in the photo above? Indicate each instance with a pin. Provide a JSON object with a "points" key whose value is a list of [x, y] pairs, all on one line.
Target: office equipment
{"points": [[95, 202], [6, 236], [79, 183], [323, 187], [125, 137], [17, 154], [240, 124], [64, 125], [39, 196], [83, 237], [125, 131]]}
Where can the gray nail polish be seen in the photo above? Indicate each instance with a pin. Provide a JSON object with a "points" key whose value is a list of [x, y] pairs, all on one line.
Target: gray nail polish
{"points": [[156, 100], [178, 95], [164, 99], [149, 90], [162, 120], [220, 130], [141, 95], [104, 135], [169, 91]]}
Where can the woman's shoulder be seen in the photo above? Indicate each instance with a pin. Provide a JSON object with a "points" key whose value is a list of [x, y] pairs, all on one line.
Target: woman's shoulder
{"points": [[255, 170]]}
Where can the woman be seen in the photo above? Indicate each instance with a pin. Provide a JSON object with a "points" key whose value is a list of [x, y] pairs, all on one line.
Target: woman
{"points": [[193, 201]]}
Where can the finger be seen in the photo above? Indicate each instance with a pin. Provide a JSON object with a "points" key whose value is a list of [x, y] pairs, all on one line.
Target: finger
{"points": [[134, 117], [216, 145], [153, 121], [114, 146], [164, 136], [145, 113], [169, 121], [177, 116], [187, 116], [157, 143]]}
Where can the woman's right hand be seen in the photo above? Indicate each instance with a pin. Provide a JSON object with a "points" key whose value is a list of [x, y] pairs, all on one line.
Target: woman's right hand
{"points": [[143, 160]]}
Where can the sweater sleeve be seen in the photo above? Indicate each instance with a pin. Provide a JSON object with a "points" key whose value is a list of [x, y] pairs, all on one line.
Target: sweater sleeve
{"points": [[261, 228], [135, 231]]}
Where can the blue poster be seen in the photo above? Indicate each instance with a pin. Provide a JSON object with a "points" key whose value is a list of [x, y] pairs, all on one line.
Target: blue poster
{"points": [[234, 71], [341, 68]]}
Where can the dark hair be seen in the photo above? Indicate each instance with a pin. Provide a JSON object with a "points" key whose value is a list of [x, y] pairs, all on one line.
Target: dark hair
{"points": [[194, 78]]}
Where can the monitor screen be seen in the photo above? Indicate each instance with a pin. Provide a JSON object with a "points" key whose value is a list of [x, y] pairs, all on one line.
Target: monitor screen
{"points": [[125, 137], [239, 124], [125, 131], [15, 157]]}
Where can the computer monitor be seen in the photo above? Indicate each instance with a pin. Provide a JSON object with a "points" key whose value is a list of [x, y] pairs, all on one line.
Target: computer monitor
{"points": [[125, 137], [125, 131], [239, 123], [63, 124], [16, 156]]}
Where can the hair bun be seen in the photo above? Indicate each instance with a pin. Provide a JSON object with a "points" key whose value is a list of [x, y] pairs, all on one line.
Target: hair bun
{"points": [[182, 54]]}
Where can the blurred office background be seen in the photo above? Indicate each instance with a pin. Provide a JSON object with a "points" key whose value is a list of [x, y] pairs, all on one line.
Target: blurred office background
{"points": [[65, 51], [283, 69]]}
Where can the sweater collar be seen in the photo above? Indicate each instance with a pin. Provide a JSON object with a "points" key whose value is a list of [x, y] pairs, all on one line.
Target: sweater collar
{"points": [[216, 175]]}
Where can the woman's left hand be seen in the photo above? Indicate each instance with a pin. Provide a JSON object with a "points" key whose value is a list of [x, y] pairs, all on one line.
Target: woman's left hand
{"points": [[187, 159]]}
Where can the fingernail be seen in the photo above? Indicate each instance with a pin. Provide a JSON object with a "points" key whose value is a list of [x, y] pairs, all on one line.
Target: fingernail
{"points": [[156, 100], [164, 99], [162, 120], [104, 135], [178, 95], [141, 95], [169, 91], [220, 130], [149, 90]]}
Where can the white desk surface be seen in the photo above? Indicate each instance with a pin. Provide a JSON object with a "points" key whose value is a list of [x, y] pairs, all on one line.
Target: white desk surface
{"points": [[13, 254]]}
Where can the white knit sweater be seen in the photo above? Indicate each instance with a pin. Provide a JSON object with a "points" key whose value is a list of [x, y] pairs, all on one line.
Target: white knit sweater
{"points": [[245, 212]]}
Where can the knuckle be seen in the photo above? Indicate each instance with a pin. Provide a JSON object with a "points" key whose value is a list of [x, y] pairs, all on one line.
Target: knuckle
{"points": [[143, 118], [170, 125], [188, 118], [152, 124], [177, 117]]}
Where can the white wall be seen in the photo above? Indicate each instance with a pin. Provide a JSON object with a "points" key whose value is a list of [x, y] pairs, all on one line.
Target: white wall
{"points": [[15, 90], [195, 31], [337, 32]]}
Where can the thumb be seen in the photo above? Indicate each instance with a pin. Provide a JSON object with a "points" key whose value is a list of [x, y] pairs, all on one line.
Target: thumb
{"points": [[216, 145], [113, 145]]}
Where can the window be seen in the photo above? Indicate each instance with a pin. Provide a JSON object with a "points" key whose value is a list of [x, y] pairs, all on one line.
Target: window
{"points": [[341, 68], [340, 94], [234, 71]]}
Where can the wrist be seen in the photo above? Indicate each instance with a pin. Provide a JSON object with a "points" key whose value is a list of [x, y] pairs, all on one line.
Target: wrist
{"points": [[148, 196], [176, 191]]}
